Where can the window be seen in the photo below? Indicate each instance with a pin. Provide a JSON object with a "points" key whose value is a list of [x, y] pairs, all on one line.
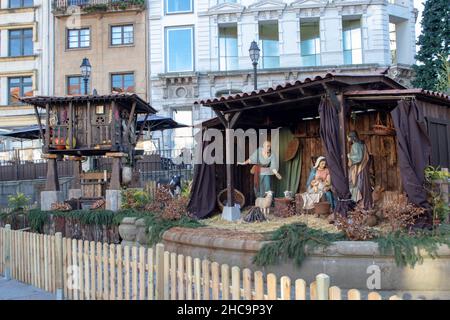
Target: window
{"points": [[78, 38], [179, 49], [268, 36], [19, 87], [75, 86], [179, 6], [122, 35], [226, 1], [393, 42], [310, 43], [183, 137], [352, 41], [20, 3], [228, 49], [20, 42], [123, 82]]}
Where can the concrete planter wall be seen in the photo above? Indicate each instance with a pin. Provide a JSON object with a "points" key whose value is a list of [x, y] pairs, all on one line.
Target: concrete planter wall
{"points": [[346, 262]]}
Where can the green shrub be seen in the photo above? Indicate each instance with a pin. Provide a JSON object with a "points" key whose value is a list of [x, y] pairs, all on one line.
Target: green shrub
{"points": [[18, 202]]}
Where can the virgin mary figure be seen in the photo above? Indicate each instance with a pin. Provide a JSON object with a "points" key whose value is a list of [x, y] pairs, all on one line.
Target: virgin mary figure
{"points": [[318, 185]]}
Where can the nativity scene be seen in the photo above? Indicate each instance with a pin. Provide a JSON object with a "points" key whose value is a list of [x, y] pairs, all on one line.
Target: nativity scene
{"points": [[340, 141]]}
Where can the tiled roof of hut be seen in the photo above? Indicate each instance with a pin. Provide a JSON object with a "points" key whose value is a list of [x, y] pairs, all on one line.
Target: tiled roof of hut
{"points": [[340, 79]]}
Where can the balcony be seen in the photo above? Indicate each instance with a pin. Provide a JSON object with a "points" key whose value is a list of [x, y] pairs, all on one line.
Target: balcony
{"points": [[69, 7]]}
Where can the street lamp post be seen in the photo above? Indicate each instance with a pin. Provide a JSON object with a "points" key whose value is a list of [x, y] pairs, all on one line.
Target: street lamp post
{"points": [[86, 69], [254, 56]]}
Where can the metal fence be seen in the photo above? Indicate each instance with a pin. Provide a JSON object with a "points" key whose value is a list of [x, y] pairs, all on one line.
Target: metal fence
{"points": [[152, 167]]}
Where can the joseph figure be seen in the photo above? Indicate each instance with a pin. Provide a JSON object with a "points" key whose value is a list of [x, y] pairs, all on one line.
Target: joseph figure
{"points": [[359, 179], [266, 164]]}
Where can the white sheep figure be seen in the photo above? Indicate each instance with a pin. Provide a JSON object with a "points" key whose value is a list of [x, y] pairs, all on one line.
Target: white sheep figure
{"points": [[264, 203]]}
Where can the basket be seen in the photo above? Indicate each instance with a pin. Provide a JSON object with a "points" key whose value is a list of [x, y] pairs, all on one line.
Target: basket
{"points": [[322, 209], [298, 203], [383, 130], [284, 207], [222, 198]]}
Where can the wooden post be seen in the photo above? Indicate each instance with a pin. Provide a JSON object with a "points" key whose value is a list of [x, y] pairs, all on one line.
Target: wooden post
{"points": [[230, 184], [7, 252], [47, 141], [52, 183], [236, 283], [215, 276], [323, 286], [59, 266], [285, 284], [41, 130], [76, 182], [300, 289], [225, 272], [71, 116], [116, 174], [159, 293], [229, 123], [89, 125], [335, 293]]}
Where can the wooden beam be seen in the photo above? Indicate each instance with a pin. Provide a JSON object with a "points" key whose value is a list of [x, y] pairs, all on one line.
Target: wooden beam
{"points": [[234, 119], [89, 125], [130, 118], [71, 115], [47, 125], [38, 117], [276, 103], [142, 128], [221, 117]]}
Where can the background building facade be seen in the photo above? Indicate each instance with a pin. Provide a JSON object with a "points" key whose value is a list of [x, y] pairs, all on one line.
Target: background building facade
{"points": [[112, 36], [26, 60], [26, 57], [199, 49]]}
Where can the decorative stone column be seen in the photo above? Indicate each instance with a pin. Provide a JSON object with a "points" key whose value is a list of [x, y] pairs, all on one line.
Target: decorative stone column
{"points": [[75, 188], [52, 193], [113, 193]]}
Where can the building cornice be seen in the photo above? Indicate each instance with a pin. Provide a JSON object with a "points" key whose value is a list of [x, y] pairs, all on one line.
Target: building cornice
{"points": [[224, 8], [18, 58], [19, 10]]}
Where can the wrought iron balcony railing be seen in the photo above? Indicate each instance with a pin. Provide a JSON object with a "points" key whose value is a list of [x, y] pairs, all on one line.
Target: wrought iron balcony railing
{"points": [[64, 7]]}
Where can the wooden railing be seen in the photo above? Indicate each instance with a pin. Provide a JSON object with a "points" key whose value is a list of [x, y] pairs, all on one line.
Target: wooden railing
{"points": [[82, 270]]}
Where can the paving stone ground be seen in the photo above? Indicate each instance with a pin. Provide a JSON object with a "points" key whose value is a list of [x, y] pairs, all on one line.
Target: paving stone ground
{"points": [[14, 290]]}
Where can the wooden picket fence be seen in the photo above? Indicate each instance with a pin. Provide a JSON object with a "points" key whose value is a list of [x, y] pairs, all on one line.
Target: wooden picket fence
{"points": [[83, 270]]}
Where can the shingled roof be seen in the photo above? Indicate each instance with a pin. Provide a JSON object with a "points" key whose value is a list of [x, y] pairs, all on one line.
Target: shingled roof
{"points": [[141, 105]]}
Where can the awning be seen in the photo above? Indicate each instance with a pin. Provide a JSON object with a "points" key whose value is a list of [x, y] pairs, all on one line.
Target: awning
{"points": [[29, 133], [158, 123]]}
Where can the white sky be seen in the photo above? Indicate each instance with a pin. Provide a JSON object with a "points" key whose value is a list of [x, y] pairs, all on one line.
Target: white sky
{"points": [[418, 4]]}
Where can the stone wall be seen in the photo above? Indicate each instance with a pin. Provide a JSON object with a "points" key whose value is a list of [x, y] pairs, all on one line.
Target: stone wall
{"points": [[348, 263]]}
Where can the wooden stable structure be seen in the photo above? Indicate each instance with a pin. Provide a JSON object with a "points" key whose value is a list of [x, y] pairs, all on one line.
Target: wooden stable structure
{"points": [[94, 125], [364, 102]]}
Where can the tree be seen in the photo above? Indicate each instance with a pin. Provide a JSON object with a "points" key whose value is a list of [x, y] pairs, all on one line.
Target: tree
{"points": [[432, 72]]}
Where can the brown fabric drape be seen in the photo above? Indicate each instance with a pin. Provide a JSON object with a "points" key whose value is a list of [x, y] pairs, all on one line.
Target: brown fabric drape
{"points": [[413, 149], [329, 133], [203, 194]]}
